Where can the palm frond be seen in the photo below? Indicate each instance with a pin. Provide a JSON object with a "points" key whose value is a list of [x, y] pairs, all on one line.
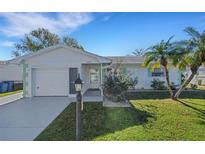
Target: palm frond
{"points": [[193, 33], [169, 40], [149, 58]]}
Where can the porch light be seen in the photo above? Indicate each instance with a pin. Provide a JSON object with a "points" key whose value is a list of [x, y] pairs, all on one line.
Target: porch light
{"points": [[78, 84]]}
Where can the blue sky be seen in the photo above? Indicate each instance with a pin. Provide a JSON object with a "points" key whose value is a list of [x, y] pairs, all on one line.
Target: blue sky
{"points": [[105, 34]]}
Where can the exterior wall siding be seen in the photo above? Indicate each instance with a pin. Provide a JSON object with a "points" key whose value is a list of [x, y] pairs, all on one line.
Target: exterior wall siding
{"points": [[144, 76]]}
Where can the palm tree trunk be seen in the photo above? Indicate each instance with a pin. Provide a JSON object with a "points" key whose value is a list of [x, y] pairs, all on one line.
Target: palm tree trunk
{"points": [[186, 82], [168, 82]]}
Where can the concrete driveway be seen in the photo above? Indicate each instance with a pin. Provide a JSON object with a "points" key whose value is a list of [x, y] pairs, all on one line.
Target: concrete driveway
{"points": [[25, 118]]}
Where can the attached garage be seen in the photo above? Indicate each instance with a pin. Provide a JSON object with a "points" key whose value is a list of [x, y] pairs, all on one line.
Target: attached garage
{"points": [[54, 82], [50, 82]]}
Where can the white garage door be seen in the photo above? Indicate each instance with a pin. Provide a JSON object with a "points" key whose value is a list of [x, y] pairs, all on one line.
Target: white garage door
{"points": [[50, 82]]}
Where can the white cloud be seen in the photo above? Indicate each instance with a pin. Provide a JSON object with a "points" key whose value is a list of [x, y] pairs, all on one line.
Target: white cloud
{"points": [[106, 18], [17, 24], [7, 43]]}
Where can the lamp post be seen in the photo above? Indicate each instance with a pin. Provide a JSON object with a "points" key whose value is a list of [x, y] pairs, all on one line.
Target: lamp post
{"points": [[78, 88]]}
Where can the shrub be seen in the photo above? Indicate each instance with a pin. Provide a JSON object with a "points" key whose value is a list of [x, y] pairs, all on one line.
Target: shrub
{"points": [[156, 84], [174, 86], [115, 85], [193, 86], [199, 82], [133, 82]]}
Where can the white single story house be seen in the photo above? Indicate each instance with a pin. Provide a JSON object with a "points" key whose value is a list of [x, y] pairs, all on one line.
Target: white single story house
{"points": [[201, 75], [53, 70]]}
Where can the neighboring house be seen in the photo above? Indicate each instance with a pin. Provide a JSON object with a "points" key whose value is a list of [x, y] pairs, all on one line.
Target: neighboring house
{"points": [[200, 76], [10, 71], [52, 71], [132, 65]]}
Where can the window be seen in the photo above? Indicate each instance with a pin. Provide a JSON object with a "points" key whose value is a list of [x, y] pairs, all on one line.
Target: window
{"points": [[158, 72]]}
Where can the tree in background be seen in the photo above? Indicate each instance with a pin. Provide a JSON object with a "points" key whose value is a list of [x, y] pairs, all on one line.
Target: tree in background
{"points": [[71, 42], [160, 56], [138, 52], [42, 38], [192, 55]]}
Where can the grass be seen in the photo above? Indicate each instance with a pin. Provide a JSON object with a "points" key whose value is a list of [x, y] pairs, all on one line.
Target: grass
{"points": [[201, 88], [10, 93], [147, 119]]}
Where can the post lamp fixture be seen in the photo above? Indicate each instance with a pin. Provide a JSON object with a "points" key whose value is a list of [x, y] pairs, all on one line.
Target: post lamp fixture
{"points": [[78, 84], [78, 88]]}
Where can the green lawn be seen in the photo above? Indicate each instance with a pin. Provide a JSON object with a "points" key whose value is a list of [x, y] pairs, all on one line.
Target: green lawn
{"points": [[149, 119], [201, 87], [10, 93]]}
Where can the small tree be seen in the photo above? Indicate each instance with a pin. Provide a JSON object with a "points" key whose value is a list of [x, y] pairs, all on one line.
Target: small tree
{"points": [[192, 56], [160, 55], [138, 52]]}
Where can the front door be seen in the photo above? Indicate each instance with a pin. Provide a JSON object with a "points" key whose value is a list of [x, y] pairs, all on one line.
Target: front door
{"points": [[73, 73], [94, 78]]}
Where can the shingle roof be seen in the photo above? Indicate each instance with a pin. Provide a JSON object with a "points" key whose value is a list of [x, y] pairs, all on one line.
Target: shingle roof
{"points": [[126, 59]]}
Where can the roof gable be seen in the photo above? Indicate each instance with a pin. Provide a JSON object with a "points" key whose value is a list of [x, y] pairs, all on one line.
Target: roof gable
{"points": [[100, 59]]}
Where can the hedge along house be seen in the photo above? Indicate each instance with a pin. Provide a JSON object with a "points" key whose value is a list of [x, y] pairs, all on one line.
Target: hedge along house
{"points": [[132, 66], [53, 70]]}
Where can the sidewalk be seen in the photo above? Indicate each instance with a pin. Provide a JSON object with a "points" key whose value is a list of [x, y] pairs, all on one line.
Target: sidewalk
{"points": [[10, 98]]}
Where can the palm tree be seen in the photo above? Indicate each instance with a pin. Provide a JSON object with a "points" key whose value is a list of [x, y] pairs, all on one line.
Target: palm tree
{"points": [[160, 55], [193, 55]]}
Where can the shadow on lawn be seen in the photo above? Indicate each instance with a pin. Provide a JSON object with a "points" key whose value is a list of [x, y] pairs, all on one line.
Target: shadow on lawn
{"points": [[195, 104], [110, 120], [201, 112], [96, 120]]}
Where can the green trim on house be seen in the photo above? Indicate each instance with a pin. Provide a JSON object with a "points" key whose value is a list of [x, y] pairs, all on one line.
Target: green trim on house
{"points": [[25, 75]]}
